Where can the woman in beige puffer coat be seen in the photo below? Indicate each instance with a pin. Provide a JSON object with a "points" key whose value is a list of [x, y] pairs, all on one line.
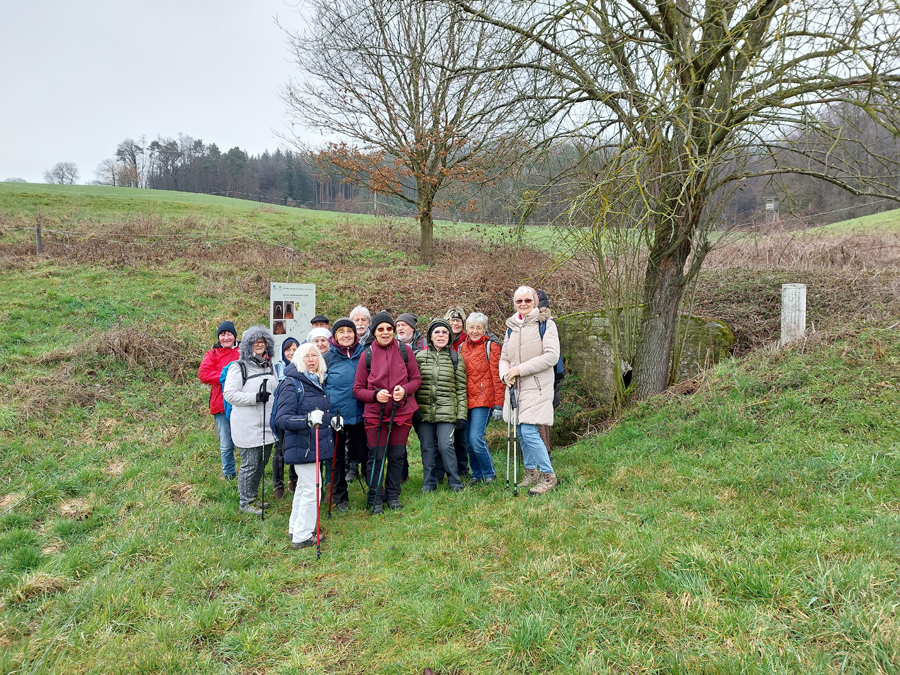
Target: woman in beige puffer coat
{"points": [[527, 362]]}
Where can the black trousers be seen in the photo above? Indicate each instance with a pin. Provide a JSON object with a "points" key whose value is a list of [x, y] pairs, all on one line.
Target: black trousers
{"points": [[340, 473], [390, 485], [278, 467]]}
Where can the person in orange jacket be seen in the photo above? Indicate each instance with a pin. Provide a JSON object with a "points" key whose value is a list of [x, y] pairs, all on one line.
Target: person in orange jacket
{"points": [[485, 393]]}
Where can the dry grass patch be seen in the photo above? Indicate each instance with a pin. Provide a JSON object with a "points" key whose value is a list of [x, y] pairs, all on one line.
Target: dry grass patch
{"points": [[37, 585], [183, 493], [77, 509], [136, 346]]}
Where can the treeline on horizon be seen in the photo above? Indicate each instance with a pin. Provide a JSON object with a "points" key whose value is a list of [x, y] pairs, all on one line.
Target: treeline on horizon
{"points": [[528, 195]]}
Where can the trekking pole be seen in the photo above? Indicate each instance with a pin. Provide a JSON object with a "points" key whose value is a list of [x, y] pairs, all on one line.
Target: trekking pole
{"points": [[384, 456], [375, 459], [262, 412], [333, 458], [508, 439], [514, 409], [318, 498]]}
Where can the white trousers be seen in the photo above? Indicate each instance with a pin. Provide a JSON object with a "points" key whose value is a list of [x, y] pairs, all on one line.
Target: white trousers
{"points": [[302, 524]]}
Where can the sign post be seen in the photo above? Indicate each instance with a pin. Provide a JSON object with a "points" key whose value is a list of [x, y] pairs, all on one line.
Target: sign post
{"points": [[291, 307]]}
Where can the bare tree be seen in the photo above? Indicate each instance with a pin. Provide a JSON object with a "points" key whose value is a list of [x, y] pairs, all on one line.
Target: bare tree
{"points": [[687, 98], [390, 75], [62, 173]]}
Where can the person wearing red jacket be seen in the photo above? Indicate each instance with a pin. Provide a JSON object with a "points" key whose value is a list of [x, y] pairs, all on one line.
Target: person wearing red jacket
{"points": [[386, 383], [223, 352], [485, 392]]}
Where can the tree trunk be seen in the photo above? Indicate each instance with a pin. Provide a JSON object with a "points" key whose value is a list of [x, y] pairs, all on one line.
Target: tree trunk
{"points": [[424, 204], [664, 284]]}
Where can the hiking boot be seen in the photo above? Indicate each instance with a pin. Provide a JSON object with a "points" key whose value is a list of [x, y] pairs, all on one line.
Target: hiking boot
{"points": [[456, 488], [342, 507], [292, 485], [278, 492], [487, 481], [377, 509], [251, 508], [531, 477], [394, 504], [352, 473], [547, 483], [307, 542]]}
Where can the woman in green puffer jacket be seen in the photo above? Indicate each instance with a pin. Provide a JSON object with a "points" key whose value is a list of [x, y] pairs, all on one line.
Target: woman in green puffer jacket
{"points": [[442, 404]]}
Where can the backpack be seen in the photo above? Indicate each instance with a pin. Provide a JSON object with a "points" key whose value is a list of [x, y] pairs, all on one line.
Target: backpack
{"points": [[244, 378], [279, 433], [559, 371], [487, 344]]}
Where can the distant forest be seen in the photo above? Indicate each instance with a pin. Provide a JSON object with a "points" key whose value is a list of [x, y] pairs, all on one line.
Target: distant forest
{"points": [[526, 195]]}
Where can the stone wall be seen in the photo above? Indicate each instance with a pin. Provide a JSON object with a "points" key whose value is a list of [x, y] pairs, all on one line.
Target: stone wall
{"points": [[585, 343]]}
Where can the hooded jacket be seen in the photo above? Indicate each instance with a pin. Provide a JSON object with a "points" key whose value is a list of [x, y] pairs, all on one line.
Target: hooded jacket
{"points": [[388, 370], [442, 396], [211, 370], [249, 419], [281, 365], [485, 388], [536, 359], [299, 439], [342, 363]]}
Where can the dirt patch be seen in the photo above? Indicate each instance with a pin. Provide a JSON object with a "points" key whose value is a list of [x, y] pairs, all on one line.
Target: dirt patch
{"points": [[9, 499], [115, 467], [53, 547], [77, 509]]}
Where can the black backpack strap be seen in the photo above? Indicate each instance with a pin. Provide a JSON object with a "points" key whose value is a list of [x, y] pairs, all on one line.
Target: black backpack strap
{"points": [[368, 356], [454, 357]]}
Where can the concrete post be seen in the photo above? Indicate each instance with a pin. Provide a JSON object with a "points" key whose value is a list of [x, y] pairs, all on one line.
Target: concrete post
{"points": [[793, 312]]}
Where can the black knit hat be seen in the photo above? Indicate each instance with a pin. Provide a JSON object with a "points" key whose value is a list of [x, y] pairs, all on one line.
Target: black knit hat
{"points": [[411, 319], [227, 326], [382, 317], [320, 318], [343, 322]]}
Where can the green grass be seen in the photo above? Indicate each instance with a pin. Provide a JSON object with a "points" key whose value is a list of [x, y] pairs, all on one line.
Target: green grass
{"points": [[885, 222], [749, 528]]}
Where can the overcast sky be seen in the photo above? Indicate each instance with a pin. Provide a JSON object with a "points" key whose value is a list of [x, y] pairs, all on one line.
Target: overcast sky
{"points": [[80, 77]]}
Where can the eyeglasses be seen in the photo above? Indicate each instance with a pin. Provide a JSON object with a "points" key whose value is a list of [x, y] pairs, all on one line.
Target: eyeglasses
{"points": [[440, 332], [524, 301], [386, 329]]}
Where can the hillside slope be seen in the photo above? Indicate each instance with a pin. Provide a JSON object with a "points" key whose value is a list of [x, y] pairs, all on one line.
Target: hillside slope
{"points": [[745, 523]]}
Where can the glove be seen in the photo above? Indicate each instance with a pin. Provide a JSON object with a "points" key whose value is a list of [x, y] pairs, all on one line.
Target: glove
{"points": [[511, 375], [337, 422], [460, 425], [314, 418], [498, 413], [262, 396]]}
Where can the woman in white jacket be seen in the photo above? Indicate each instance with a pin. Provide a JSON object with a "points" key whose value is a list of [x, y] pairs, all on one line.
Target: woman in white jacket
{"points": [[527, 363], [249, 386]]}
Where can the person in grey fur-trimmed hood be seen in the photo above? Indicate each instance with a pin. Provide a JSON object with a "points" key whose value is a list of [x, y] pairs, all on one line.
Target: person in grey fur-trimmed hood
{"points": [[249, 386]]}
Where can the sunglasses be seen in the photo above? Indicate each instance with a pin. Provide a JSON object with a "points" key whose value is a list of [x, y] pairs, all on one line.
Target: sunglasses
{"points": [[524, 301]]}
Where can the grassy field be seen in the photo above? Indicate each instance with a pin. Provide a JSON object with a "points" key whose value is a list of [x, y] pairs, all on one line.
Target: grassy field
{"points": [[751, 526]]}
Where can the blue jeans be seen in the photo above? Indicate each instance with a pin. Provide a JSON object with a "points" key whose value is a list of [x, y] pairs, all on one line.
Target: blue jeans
{"points": [[226, 446], [534, 452], [479, 455]]}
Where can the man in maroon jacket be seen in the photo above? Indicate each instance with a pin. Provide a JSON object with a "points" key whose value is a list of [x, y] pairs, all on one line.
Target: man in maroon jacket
{"points": [[386, 381]]}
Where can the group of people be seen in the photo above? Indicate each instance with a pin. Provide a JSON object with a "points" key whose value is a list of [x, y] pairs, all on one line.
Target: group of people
{"points": [[348, 397]]}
